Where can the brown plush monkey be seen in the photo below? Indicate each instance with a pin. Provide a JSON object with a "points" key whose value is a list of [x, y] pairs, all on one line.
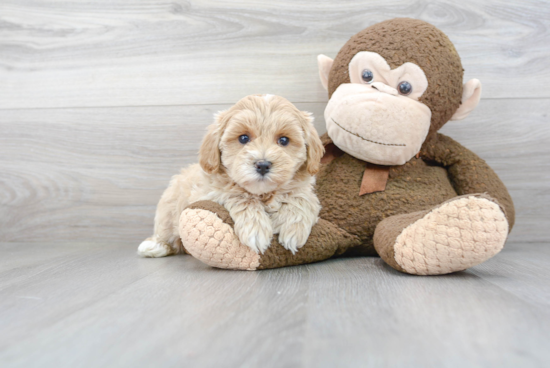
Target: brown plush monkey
{"points": [[390, 185]]}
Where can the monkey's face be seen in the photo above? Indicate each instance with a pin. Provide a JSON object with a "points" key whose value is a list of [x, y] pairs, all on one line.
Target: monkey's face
{"points": [[378, 117]]}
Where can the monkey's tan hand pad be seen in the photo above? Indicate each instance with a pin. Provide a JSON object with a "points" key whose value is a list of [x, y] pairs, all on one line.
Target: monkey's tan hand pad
{"points": [[454, 236], [206, 231], [211, 240]]}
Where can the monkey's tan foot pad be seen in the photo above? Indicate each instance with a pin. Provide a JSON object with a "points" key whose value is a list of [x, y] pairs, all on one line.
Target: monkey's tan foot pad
{"points": [[206, 230], [454, 236]]}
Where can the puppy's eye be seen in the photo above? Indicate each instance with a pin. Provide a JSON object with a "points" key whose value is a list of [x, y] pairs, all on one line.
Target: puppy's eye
{"points": [[367, 75], [405, 88], [283, 141], [244, 139]]}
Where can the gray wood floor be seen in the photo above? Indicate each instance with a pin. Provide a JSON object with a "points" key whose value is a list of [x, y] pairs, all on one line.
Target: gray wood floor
{"points": [[99, 305], [102, 101]]}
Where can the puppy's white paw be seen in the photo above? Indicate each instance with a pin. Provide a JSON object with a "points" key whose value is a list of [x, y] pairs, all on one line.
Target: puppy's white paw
{"points": [[152, 249], [259, 242], [294, 236], [256, 238]]}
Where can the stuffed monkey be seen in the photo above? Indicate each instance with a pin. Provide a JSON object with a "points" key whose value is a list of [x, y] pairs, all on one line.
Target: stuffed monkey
{"points": [[389, 184]]}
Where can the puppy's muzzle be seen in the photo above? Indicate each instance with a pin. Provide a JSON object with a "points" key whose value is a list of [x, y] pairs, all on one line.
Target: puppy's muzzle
{"points": [[262, 167]]}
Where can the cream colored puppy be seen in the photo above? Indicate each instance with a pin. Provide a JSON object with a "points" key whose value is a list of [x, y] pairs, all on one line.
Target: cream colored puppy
{"points": [[257, 160]]}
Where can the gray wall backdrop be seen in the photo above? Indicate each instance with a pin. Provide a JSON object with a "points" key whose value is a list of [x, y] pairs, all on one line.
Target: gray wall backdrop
{"points": [[101, 102]]}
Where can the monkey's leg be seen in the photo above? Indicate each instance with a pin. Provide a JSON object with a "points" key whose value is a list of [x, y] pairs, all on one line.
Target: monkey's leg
{"points": [[206, 230], [458, 234]]}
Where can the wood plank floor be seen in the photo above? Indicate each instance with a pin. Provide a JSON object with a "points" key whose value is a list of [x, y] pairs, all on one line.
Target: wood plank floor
{"points": [[92, 305]]}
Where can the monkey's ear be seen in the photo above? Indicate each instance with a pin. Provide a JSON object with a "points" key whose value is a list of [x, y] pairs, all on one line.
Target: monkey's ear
{"points": [[325, 63], [471, 94], [209, 152]]}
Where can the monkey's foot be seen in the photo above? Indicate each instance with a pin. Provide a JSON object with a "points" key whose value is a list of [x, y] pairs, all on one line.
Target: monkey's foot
{"points": [[206, 230], [460, 233]]}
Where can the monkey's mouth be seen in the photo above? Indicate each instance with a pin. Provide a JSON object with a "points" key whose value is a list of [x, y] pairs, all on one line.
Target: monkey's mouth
{"points": [[365, 139]]}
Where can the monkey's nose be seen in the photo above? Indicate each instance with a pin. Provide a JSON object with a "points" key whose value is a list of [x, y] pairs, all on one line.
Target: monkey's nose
{"points": [[262, 167], [384, 88]]}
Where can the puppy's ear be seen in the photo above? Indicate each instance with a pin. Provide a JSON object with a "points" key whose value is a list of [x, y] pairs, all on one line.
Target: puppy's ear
{"points": [[209, 153], [315, 149]]}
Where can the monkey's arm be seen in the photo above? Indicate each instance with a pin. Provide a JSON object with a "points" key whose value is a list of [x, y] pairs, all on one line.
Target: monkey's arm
{"points": [[206, 230], [469, 173]]}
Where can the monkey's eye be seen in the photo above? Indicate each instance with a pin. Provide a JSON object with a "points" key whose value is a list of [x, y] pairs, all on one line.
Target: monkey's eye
{"points": [[283, 141], [405, 88], [367, 75], [244, 139]]}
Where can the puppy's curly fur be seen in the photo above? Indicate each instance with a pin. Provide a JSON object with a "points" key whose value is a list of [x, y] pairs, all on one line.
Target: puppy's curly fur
{"points": [[281, 201]]}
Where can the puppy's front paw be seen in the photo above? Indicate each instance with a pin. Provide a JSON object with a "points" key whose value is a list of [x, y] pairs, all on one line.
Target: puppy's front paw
{"points": [[294, 236], [255, 235], [259, 242]]}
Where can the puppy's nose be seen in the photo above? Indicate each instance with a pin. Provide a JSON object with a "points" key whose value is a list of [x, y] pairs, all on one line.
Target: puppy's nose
{"points": [[263, 166]]}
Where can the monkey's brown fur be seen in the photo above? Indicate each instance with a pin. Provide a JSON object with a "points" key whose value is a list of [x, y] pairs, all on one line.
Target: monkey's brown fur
{"points": [[443, 170]]}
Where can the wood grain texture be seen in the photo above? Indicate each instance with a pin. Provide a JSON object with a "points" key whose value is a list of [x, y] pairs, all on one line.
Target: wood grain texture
{"points": [[172, 52], [104, 306], [97, 173], [93, 173], [102, 101]]}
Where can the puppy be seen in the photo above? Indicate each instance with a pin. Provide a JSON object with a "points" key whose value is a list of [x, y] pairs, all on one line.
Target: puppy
{"points": [[258, 160]]}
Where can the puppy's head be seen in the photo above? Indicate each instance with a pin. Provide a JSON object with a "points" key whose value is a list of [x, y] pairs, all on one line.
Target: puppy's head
{"points": [[262, 142]]}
